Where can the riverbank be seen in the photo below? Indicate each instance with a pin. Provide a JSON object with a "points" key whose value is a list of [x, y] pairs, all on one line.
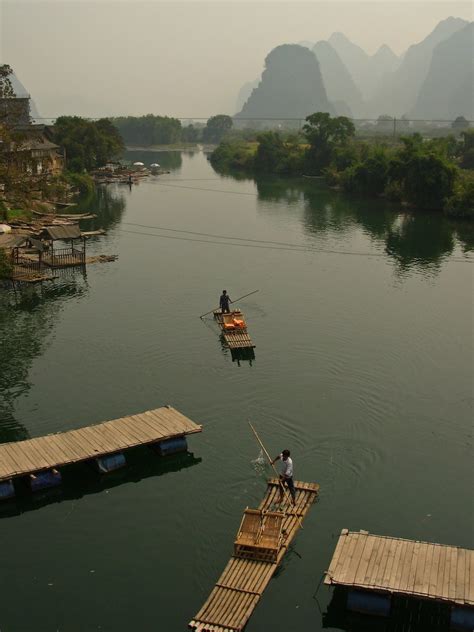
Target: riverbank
{"points": [[419, 174]]}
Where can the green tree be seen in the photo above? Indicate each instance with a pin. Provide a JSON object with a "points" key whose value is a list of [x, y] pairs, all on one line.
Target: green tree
{"points": [[88, 144], [190, 134], [148, 129], [368, 176], [427, 178], [6, 88], [466, 149], [460, 123], [216, 128], [324, 134], [461, 203]]}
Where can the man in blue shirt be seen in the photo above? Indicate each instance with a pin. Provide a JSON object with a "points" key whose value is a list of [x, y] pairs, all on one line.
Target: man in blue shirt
{"points": [[224, 302]]}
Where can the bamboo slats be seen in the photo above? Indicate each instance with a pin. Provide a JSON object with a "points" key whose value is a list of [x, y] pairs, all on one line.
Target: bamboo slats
{"points": [[23, 457], [235, 339], [420, 569], [241, 585]]}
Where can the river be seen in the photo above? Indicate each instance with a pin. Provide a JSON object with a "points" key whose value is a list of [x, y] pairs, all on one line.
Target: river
{"points": [[363, 369]]}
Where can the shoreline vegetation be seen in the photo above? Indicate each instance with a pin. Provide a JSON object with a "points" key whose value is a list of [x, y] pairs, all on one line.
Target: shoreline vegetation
{"points": [[421, 174]]}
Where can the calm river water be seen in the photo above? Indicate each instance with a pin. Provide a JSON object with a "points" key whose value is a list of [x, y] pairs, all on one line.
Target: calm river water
{"points": [[363, 369]]}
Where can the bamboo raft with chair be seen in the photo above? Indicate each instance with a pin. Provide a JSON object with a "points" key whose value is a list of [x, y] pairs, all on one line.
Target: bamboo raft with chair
{"points": [[234, 329], [262, 540]]}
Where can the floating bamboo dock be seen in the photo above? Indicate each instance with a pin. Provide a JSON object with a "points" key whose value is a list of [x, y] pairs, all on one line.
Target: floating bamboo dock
{"points": [[21, 458], [394, 566], [255, 560], [234, 329]]}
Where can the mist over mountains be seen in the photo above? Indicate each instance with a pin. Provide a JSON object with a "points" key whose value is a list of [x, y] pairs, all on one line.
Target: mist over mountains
{"points": [[448, 90], [433, 79]]}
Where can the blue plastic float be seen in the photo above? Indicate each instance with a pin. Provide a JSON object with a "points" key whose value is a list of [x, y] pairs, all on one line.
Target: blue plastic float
{"points": [[172, 446], [110, 462], [462, 619], [369, 603], [45, 480], [6, 489]]}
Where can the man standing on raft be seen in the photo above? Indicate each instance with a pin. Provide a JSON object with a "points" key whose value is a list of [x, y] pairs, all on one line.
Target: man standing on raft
{"points": [[224, 302], [286, 475]]}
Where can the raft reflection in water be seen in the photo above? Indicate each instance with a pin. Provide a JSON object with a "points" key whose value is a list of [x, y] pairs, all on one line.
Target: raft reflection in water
{"points": [[82, 479]]}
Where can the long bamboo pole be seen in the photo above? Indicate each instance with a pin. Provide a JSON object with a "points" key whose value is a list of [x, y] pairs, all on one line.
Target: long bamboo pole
{"points": [[237, 299], [283, 488]]}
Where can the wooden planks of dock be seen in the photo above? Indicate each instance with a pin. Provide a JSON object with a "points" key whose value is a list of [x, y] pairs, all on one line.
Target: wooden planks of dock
{"points": [[241, 585], [420, 569], [23, 457]]}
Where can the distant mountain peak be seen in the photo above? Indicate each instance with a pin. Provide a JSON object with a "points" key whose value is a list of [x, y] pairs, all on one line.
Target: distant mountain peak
{"points": [[384, 51], [291, 86], [446, 27], [337, 36]]}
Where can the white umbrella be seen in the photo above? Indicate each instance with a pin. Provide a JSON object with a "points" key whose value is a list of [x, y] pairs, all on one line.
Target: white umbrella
{"points": [[5, 228], [138, 164], [155, 165]]}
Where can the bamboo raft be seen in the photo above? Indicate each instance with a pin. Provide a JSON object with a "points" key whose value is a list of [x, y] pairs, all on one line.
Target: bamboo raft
{"points": [[262, 540], [234, 329]]}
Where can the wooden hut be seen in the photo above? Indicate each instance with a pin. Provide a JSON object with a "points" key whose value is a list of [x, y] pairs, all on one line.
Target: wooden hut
{"points": [[74, 254]]}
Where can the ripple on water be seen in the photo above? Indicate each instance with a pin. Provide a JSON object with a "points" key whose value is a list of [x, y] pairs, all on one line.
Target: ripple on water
{"points": [[342, 462]]}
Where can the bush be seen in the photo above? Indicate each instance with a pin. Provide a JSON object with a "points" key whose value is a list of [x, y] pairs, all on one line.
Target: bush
{"points": [[369, 176], [276, 156], [428, 181], [81, 181], [233, 155], [461, 203], [425, 173]]}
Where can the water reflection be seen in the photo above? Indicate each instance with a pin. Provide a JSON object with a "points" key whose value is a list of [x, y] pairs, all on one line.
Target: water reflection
{"points": [[107, 202], [81, 479], [412, 240], [29, 313], [418, 239], [27, 318], [242, 355], [409, 615]]}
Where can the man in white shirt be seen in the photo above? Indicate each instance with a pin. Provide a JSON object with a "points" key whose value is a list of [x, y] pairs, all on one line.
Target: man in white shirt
{"points": [[286, 474]]}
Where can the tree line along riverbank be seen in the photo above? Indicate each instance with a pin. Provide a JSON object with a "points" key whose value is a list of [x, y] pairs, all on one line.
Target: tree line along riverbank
{"points": [[426, 174]]}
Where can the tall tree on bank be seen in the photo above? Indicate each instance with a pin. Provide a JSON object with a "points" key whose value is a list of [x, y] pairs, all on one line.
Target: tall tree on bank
{"points": [[6, 87], [216, 127], [88, 144], [324, 134]]}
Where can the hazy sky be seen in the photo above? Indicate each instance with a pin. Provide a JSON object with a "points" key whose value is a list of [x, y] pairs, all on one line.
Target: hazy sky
{"points": [[187, 59]]}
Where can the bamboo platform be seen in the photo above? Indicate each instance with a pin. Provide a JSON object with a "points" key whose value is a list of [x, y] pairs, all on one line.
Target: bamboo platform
{"points": [[33, 455], [241, 585], [393, 565], [234, 339]]}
